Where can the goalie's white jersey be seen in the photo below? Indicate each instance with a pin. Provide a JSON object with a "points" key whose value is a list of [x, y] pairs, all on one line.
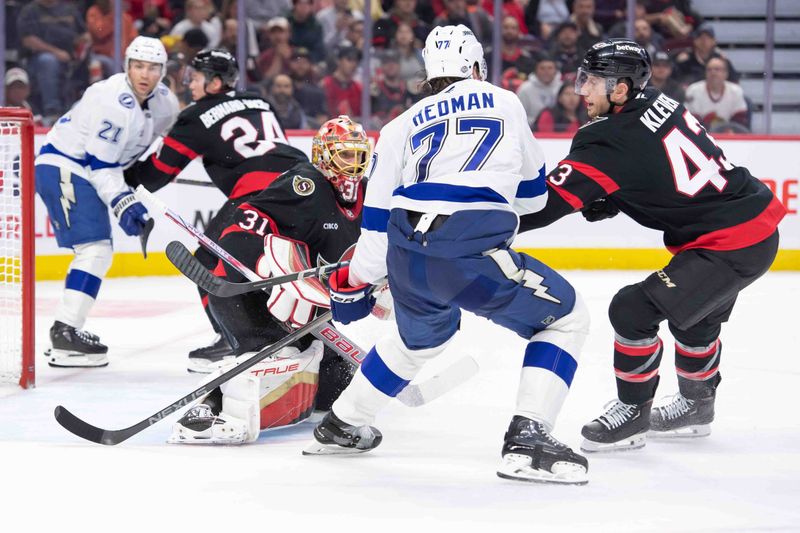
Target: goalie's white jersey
{"points": [[106, 131], [468, 147]]}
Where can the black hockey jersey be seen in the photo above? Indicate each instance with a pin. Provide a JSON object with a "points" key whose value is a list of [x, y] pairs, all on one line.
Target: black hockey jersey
{"points": [[301, 205], [237, 134], [654, 161]]}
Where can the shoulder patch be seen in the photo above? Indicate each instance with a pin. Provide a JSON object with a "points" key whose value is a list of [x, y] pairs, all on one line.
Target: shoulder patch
{"points": [[595, 121], [126, 100], [302, 186]]}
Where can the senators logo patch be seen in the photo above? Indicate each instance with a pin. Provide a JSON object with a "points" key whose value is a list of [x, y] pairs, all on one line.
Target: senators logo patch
{"points": [[302, 186]]}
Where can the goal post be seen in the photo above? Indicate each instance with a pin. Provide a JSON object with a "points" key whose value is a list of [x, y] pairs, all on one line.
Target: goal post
{"points": [[17, 282]]}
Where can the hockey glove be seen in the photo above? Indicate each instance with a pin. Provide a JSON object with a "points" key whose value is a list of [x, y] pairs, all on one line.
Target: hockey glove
{"points": [[349, 304], [599, 210], [130, 213]]}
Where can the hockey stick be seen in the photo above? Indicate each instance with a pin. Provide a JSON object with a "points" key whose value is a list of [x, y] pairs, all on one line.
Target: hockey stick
{"points": [[111, 437], [145, 235], [190, 267], [412, 395], [199, 183]]}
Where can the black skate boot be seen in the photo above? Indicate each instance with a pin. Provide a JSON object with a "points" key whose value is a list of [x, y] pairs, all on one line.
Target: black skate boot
{"points": [[72, 347], [530, 453], [335, 437], [203, 360], [689, 413], [622, 427]]}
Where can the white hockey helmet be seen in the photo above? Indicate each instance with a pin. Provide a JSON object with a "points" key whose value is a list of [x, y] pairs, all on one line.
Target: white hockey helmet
{"points": [[147, 49], [451, 51]]}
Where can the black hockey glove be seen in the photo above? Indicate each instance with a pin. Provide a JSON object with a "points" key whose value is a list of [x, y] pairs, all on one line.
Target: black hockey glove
{"points": [[599, 210]]}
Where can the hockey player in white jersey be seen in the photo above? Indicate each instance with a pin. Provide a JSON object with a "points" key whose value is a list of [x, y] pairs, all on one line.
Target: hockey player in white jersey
{"points": [[448, 179], [79, 176]]}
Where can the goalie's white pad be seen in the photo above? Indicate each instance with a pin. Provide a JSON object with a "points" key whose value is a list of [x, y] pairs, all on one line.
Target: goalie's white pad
{"points": [[292, 302], [278, 391]]}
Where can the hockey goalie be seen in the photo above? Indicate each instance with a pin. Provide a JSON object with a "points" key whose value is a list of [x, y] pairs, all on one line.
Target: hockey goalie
{"points": [[310, 215]]}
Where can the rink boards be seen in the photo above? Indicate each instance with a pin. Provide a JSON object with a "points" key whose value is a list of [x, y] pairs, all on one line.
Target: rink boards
{"points": [[570, 243]]}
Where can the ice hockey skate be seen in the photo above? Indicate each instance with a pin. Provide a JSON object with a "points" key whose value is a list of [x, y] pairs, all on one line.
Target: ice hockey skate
{"points": [[622, 427], [199, 425], [336, 437], [682, 418], [204, 360], [531, 454], [72, 347]]}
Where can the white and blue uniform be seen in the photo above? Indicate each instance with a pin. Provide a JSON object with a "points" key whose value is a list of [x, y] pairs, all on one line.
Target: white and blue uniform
{"points": [[79, 172], [448, 179]]}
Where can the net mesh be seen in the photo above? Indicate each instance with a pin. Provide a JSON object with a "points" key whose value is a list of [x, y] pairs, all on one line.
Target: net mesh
{"points": [[11, 329]]}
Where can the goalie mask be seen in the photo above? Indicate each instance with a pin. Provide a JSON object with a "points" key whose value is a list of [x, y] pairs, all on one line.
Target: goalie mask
{"points": [[340, 151]]}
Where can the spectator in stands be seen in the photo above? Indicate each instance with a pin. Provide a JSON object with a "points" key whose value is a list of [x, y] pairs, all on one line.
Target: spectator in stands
{"points": [[607, 13], [644, 35], [671, 18], [589, 31], [376, 7], [691, 64], [411, 63], [455, 13], [355, 34], [565, 116], [288, 110], [543, 16], [512, 55], [716, 100], [18, 88], [306, 31], [390, 95], [661, 77], [403, 12], [262, 11], [335, 19], [565, 48], [275, 59], [192, 43], [480, 21], [152, 10], [176, 75], [306, 91], [230, 31], [510, 7], [50, 31], [541, 88], [198, 16], [100, 24], [343, 93]]}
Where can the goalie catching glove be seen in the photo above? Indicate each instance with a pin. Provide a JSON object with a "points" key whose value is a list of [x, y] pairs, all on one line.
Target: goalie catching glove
{"points": [[293, 303]]}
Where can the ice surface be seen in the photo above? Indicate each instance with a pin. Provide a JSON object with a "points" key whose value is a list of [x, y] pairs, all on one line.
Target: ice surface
{"points": [[436, 466]]}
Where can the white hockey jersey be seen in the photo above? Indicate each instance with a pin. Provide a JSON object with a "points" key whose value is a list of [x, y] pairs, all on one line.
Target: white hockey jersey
{"points": [[467, 147], [106, 131]]}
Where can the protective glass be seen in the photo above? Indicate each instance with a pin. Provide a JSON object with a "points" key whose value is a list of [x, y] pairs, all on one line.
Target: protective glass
{"points": [[587, 84]]}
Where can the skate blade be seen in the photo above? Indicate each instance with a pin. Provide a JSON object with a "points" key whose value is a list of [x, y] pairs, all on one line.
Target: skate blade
{"points": [[63, 359], [688, 432], [317, 448], [518, 468], [631, 443]]}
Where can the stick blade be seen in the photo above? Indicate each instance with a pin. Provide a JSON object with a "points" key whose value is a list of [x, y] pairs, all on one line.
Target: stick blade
{"points": [[190, 267], [82, 429]]}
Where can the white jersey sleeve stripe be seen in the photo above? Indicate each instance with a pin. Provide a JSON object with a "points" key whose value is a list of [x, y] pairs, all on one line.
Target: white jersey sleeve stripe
{"points": [[533, 187]]}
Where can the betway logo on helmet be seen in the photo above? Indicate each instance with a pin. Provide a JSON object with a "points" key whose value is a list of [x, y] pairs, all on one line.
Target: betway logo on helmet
{"points": [[627, 48]]}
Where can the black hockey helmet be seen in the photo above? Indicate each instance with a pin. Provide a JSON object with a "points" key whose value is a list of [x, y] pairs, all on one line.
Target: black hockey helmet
{"points": [[217, 63], [615, 60]]}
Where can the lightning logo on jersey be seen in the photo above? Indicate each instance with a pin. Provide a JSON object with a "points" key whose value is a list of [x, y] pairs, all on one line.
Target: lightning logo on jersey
{"points": [[533, 281], [67, 193]]}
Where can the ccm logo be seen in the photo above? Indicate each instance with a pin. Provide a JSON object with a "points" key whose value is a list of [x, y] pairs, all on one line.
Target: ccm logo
{"points": [[330, 225]]}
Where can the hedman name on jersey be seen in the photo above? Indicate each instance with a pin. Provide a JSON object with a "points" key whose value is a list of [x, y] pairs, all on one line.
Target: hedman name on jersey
{"points": [[454, 104]]}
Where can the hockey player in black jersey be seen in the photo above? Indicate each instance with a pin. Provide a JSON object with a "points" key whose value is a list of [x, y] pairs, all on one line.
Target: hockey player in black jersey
{"points": [[310, 215], [645, 155], [239, 139]]}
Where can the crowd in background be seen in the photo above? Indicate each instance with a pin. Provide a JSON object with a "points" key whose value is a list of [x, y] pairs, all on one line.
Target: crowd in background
{"points": [[305, 56]]}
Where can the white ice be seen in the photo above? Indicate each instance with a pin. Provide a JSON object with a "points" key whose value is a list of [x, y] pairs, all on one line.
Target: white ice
{"points": [[436, 466]]}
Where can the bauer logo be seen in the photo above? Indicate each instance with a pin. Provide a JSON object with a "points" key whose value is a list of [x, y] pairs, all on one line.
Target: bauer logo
{"points": [[126, 100], [302, 186]]}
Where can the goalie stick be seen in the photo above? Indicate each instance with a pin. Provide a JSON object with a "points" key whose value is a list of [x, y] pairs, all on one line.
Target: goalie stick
{"points": [[190, 267], [413, 395], [111, 437]]}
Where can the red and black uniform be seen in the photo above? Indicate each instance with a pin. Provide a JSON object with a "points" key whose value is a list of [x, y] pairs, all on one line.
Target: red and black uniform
{"points": [[652, 160], [242, 146], [300, 205]]}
